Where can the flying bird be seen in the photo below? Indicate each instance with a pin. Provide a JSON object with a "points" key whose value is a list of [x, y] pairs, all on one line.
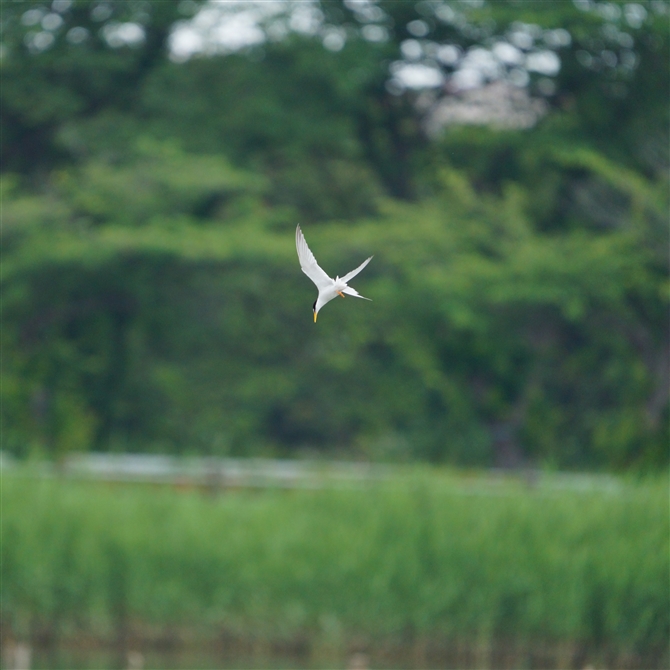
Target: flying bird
{"points": [[328, 288]]}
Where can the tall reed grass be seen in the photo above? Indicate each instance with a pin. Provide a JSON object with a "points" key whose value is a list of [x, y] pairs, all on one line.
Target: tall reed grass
{"points": [[426, 558]]}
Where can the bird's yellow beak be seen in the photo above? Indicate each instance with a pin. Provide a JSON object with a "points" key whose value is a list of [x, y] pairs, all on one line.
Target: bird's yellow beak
{"points": [[341, 294], [314, 317]]}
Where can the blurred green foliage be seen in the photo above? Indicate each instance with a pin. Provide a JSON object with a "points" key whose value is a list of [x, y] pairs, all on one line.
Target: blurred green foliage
{"points": [[417, 558], [151, 295]]}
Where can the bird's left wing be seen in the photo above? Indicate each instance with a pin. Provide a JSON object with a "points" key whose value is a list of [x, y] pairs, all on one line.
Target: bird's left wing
{"points": [[308, 263]]}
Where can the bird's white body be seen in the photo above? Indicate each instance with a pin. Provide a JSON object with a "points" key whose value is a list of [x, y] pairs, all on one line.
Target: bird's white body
{"points": [[328, 288]]}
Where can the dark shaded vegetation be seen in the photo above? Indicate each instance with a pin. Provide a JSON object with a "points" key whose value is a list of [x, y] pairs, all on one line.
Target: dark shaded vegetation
{"points": [[151, 295]]}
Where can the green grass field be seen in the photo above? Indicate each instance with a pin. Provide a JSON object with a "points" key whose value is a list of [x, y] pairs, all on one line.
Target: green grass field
{"points": [[428, 559]]}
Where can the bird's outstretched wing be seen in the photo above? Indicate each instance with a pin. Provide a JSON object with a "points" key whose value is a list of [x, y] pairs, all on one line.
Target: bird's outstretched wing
{"points": [[308, 263], [348, 277]]}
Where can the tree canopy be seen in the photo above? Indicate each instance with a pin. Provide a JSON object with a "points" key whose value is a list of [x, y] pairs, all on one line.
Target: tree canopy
{"points": [[151, 295]]}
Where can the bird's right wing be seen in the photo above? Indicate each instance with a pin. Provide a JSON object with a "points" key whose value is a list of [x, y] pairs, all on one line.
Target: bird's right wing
{"points": [[308, 263], [349, 276]]}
